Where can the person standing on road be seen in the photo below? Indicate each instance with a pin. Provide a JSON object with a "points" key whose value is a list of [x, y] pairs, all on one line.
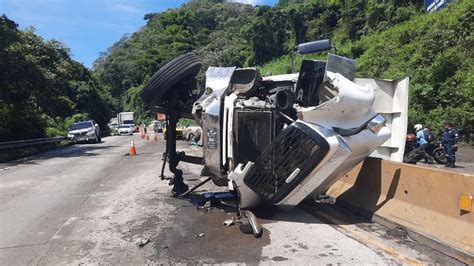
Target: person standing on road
{"points": [[420, 136], [421, 141], [449, 140], [430, 138]]}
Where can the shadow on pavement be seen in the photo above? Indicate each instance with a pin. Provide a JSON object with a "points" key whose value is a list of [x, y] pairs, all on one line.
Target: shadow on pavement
{"points": [[68, 152], [77, 151]]}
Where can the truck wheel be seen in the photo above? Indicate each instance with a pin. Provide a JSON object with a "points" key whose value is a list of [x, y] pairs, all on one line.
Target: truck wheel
{"points": [[181, 69]]}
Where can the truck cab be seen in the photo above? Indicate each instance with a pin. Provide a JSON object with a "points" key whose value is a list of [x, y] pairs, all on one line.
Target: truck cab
{"points": [[280, 139]]}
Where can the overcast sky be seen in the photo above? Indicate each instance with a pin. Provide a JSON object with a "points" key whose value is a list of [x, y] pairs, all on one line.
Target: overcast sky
{"points": [[88, 27]]}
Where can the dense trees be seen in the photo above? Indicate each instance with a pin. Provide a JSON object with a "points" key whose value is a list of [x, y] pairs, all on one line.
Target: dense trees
{"points": [[41, 88], [224, 33], [390, 39], [435, 51]]}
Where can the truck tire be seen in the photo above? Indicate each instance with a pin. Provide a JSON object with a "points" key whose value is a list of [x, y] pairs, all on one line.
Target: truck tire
{"points": [[180, 69]]}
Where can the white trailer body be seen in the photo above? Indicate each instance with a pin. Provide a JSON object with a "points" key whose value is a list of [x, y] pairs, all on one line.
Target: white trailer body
{"points": [[125, 118]]}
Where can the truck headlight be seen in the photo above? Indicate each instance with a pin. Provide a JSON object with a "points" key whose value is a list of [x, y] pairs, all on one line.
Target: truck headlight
{"points": [[376, 123]]}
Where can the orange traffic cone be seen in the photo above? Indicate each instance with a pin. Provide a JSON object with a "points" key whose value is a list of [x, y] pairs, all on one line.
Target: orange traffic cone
{"points": [[132, 149]]}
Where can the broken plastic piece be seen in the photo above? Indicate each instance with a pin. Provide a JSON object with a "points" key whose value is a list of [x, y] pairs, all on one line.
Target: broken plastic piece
{"points": [[249, 224], [229, 222], [247, 198], [245, 227], [143, 241], [324, 199]]}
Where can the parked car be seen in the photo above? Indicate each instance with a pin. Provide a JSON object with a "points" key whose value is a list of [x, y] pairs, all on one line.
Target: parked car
{"points": [[125, 130], [84, 131]]}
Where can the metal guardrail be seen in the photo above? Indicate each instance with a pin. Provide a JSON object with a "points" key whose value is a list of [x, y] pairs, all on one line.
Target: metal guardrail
{"points": [[29, 142]]}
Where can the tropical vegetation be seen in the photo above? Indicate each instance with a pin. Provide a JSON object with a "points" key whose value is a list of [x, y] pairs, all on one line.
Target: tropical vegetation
{"points": [[43, 90]]}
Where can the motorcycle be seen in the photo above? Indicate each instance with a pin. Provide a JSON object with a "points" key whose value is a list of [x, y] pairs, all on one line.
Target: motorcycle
{"points": [[413, 154], [437, 152]]}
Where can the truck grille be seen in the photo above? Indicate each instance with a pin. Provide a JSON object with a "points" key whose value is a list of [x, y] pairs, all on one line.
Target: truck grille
{"points": [[286, 162], [254, 131]]}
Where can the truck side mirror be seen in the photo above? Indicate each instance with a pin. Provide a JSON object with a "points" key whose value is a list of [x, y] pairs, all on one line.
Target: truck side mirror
{"points": [[314, 47]]}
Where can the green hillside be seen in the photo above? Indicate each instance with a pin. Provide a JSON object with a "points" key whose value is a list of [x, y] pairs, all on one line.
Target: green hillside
{"points": [[434, 50], [43, 90], [390, 39]]}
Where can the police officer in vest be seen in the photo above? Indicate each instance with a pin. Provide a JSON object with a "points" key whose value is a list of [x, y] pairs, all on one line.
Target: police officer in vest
{"points": [[450, 138]]}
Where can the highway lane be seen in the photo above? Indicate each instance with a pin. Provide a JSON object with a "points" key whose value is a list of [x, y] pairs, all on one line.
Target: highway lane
{"points": [[38, 196], [91, 204]]}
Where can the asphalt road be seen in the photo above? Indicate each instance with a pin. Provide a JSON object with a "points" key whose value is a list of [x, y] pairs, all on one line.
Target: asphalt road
{"points": [[90, 203], [464, 160]]}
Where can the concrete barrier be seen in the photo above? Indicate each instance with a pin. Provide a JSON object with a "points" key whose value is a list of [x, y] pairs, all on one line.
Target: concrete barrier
{"points": [[423, 200]]}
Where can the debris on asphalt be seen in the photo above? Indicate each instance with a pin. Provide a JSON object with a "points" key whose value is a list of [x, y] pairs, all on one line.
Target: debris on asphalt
{"points": [[213, 199], [143, 241], [248, 224], [324, 199], [203, 206], [200, 235], [229, 222]]}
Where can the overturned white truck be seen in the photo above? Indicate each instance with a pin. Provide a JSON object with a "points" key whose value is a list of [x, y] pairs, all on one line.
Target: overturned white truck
{"points": [[279, 139]]}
